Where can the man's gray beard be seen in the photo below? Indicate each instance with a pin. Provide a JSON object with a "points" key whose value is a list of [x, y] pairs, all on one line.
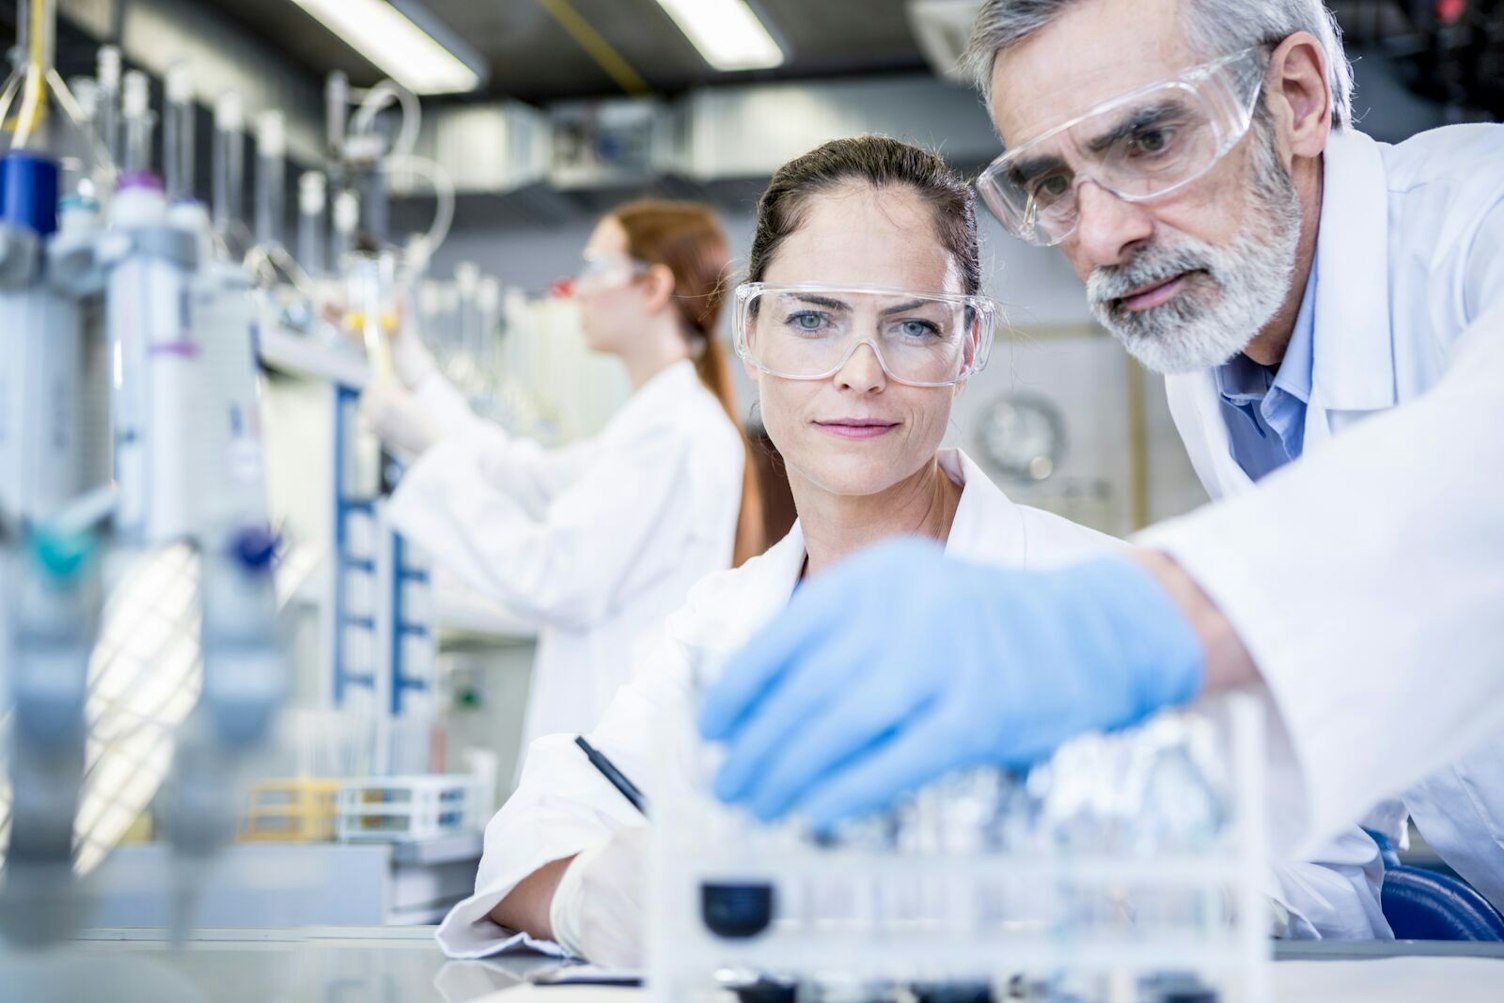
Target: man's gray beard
{"points": [[1234, 293]]}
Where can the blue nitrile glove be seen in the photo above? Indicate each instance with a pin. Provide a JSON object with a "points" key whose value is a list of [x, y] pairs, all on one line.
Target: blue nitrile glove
{"points": [[900, 665]]}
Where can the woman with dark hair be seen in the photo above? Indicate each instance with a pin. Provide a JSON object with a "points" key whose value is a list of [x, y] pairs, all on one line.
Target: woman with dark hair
{"points": [[596, 542], [861, 322]]}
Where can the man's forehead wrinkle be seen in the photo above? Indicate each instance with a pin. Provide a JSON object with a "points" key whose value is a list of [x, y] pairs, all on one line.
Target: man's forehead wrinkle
{"points": [[1095, 53], [1040, 125]]}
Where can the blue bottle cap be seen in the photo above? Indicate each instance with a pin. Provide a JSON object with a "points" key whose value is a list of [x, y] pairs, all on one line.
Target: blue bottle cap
{"points": [[254, 548], [28, 192], [62, 555], [83, 203]]}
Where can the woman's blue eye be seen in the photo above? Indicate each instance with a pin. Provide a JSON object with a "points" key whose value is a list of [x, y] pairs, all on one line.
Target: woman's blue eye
{"points": [[918, 329], [807, 321]]}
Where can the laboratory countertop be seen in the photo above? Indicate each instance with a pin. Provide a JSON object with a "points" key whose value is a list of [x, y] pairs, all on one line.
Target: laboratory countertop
{"points": [[393, 964]]}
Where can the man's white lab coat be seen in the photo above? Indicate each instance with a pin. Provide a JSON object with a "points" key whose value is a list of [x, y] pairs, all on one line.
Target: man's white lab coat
{"points": [[1377, 665]]}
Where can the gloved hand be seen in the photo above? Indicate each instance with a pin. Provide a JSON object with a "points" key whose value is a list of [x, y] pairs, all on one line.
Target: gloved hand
{"points": [[410, 357], [900, 665], [597, 910], [396, 418]]}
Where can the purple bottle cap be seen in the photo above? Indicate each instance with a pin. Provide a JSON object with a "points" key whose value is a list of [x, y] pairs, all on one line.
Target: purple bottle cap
{"points": [[140, 180]]}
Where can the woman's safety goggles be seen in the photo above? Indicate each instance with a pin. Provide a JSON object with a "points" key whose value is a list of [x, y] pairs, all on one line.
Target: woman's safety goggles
{"points": [[1138, 146], [809, 332], [606, 271]]}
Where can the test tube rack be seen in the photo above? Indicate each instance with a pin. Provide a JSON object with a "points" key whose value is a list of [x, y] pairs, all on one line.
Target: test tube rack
{"points": [[407, 808], [729, 901]]}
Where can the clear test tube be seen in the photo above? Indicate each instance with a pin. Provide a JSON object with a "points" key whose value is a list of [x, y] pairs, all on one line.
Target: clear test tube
{"points": [[346, 219], [229, 161], [337, 113], [488, 302], [430, 296], [372, 282], [516, 316], [86, 94], [467, 284], [177, 135], [312, 198], [107, 117], [448, 329], [135, 107], [76, 180], [271, 178]]}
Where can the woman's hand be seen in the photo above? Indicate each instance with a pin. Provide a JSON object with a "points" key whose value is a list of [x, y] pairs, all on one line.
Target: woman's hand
{"points": [[411, 359], [396, 418], [597, 911]]}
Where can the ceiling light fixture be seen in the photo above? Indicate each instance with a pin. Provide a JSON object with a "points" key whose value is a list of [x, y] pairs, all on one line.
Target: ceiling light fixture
{"points": [[405, 41], [728, 33]]}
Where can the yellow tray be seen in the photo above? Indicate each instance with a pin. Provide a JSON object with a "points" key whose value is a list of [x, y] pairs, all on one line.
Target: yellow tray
{"points": [[290, 811]]}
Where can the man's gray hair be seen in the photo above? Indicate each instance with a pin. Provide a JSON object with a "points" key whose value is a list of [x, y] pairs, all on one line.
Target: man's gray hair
{"points": [[1214, 28]]}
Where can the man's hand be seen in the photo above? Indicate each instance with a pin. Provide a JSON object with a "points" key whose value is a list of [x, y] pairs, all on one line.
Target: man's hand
{"points": [[901, 665]]}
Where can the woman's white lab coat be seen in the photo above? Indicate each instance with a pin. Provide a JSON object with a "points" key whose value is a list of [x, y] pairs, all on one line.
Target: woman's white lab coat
{"points": [[595, 543], [1409, 319], [564, 806]]}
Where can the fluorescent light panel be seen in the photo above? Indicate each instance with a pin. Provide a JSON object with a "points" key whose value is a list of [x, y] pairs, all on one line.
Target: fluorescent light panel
{"points": [[727, 33], [403, 51]]}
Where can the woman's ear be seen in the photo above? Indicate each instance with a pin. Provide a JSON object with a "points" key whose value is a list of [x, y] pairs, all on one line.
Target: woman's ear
{"points": [[659, 283]]}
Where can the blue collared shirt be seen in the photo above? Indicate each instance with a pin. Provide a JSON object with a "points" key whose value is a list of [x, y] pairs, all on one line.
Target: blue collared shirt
{"points": [[1265, 409]]}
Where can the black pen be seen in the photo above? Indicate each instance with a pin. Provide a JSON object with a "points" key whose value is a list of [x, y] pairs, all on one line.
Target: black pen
{"points": [[610, 772]]}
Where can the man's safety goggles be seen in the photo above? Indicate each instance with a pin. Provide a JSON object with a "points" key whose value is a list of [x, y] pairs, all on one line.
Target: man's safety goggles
{"points": [[1138, 146], [809, 332]]}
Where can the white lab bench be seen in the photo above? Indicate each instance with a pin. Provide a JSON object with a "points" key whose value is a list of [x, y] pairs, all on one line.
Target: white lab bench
{"points": [[388, 965], [269, 885]]}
